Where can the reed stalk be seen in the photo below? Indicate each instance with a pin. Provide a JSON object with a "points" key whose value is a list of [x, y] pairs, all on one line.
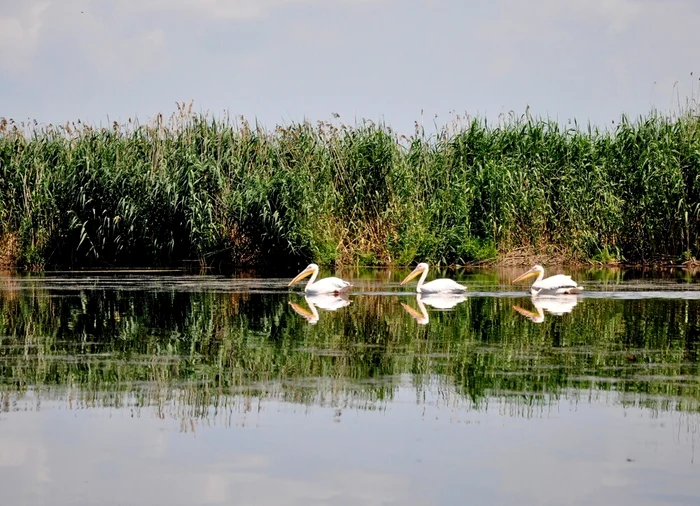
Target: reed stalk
{"points": [[224, 192]]}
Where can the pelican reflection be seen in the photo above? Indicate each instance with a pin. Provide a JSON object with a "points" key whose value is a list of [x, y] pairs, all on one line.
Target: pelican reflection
{"points": [[328, 302], [437, 301], [556, 305]]}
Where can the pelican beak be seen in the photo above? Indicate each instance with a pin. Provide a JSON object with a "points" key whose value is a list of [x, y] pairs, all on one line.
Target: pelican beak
{"points": [[525, 312], [301, 275], [310, 317], [300, 310], [525, 275], [415, 273], [411, 311], [418, 316]]}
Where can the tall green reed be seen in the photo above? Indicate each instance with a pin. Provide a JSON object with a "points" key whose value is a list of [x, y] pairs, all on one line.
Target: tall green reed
{"points": [[224, 192]]}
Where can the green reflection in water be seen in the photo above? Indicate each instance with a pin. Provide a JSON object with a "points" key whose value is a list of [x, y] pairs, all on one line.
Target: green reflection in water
{"points": [[188, 352]]}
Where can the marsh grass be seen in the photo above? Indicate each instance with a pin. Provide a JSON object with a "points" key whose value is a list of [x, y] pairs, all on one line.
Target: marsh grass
{"points": [[223, 192]]}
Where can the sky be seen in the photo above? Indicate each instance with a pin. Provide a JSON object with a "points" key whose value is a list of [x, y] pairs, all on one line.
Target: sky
{"points": [[394, 61]]}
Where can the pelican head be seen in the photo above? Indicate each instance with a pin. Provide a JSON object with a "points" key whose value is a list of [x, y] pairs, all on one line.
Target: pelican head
{"points": [[420, 268], [537, 270], [310, 269]]}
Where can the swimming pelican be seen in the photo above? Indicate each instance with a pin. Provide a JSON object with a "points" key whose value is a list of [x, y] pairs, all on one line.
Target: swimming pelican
{"points": [[438, 301], [325, 285], [554, 305], [324, 301], [436, 286], [553, 285]]}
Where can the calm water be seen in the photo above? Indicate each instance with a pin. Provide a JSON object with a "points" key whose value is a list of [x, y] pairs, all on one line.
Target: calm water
{"points": [[176, 389]]}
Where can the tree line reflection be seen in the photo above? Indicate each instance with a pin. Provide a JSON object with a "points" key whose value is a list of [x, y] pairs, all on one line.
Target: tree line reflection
{"points": [[145, 347]]}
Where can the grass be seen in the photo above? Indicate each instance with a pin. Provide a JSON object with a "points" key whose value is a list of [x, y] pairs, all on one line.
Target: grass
{"points": [[224, 193]]}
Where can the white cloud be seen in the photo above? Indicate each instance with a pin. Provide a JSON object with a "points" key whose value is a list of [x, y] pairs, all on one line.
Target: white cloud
{"points": [[19, 36], [228, 10], [125, 58], [119, 34], [572, 58], [82, 33], [662, 33]]}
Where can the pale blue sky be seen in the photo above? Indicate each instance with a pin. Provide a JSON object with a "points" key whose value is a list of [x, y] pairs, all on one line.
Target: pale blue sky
{"points": [[283, 60]]}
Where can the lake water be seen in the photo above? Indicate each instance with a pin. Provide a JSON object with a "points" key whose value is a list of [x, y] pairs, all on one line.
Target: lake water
{"points": [[148, 388]]}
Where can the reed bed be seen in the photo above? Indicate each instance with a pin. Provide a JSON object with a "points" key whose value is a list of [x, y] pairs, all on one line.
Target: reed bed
{"points": [[225, 193]]}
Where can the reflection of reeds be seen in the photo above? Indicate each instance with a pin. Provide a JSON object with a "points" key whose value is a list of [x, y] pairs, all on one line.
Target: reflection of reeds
{"points": [[196, 349], [209, 191], [9, 285], [198, 406]]}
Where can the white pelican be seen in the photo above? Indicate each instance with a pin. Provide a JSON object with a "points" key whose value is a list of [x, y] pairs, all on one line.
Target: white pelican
{"points": [[553, 285], [438, 301], [436, 286], [554, 305], [325, 285], [324, 301]]}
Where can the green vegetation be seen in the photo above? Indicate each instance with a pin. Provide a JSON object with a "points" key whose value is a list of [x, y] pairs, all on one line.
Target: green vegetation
{"points": [[225, 193], [187, 351]]}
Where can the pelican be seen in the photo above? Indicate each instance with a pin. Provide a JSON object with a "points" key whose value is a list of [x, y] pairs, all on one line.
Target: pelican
{"points": [[553, 285], [325, 285], [554, 305], [438, 301], [324, 301], [435, 286]]}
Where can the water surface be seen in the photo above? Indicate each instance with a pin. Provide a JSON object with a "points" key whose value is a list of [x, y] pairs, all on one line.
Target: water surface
{"points": [[155, 388]]}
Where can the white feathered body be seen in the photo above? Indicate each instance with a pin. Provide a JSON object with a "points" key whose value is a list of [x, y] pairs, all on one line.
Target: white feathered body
{"points": [[557, 284], [443, 285], [327, 285]]}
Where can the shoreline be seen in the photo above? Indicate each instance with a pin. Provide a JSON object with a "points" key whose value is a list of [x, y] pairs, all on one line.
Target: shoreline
{"points": [[690, 265]]}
